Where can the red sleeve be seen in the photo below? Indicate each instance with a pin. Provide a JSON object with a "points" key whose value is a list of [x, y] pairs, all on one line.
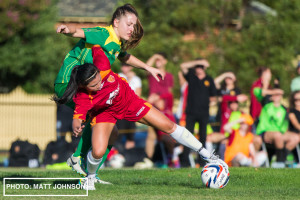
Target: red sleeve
{"points": [[82, 105], [225, 100], [100, 59]]}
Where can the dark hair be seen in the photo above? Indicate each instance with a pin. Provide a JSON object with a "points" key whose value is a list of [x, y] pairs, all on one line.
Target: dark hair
{"points": [[81, 76], [163, 54], [223, 84], [199, 66], [138, 31], [292, 99], [261, 70]]}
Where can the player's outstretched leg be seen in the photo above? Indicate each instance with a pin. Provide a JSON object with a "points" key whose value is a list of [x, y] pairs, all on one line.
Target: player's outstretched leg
{"points": [[159, 121]]}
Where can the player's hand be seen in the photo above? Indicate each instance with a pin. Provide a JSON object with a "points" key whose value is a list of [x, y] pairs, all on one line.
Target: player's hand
{"points": [[63, 29], [77, 127], [157, 73]]}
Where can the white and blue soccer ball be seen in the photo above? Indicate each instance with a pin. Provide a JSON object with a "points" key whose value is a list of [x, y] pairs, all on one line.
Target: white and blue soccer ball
{"points": [[215, 175]]}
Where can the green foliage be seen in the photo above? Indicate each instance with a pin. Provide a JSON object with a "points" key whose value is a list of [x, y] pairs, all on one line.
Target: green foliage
{"points": [[264, 40], [32, 55]]}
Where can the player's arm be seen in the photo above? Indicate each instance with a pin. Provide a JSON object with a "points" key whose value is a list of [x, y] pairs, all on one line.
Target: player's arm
{"points": [[100, 60], [70, 31], [134, 61]]}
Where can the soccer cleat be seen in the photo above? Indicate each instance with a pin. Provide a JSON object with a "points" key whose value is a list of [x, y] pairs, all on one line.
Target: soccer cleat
{"points": [[75, 163], [98, 180], [214, 159], [88, 183]]}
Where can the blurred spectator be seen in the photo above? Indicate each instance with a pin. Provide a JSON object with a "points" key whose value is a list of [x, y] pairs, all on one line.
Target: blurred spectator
{"points": [[165, 141], [294, 121], [229, 104], [240, 149], [180, 113], [260, 93], [124, 126], [201, 91], [157, 90], [295, 84], [226, 85], [163, 88], [273, 124]]}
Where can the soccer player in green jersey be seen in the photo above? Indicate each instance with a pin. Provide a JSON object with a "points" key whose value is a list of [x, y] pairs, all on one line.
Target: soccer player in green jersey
{"points": [[125, 32]]}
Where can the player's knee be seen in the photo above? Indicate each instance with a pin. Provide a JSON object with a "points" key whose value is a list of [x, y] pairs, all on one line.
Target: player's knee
{"points": [[170, 127], [98, 153]]}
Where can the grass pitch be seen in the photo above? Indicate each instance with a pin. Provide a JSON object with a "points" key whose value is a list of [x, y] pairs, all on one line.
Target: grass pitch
{"points": [[244, 183]]}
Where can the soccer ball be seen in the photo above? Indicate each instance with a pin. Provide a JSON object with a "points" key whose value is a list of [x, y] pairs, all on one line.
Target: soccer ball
{"points": [[215, 175]]}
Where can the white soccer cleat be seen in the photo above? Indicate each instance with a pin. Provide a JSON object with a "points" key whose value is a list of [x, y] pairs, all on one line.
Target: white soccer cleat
{"points": [[88, 183], [98, 180], [75, 163], [214, 159]]}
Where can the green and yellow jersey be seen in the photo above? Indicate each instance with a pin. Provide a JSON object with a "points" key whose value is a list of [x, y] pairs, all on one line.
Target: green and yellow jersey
{"points": [[82, 53]]}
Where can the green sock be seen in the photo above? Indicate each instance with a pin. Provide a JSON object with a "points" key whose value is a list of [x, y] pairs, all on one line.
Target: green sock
{"points": [[105, 156]]}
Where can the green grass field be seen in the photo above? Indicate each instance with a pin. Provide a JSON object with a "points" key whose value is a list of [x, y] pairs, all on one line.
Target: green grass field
{"points": [[244, 183]]}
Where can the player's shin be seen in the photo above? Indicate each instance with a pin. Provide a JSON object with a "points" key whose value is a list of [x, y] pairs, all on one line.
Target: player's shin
{"points": [[92, 164], [186, 138]]}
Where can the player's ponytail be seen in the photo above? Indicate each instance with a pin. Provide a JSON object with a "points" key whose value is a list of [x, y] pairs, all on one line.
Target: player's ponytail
{"points": [[138, 32], [81, 76]]}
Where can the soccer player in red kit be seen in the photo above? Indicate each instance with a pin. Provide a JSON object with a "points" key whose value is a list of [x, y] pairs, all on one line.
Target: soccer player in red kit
{"points": [[107, 97]]}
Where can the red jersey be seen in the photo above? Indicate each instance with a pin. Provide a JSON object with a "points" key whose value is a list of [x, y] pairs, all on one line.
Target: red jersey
{"points": [[162, 88], [255, 105], [225, 110], [114, 100]]}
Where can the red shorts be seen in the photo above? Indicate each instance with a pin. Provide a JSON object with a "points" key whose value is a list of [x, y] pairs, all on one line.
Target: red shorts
{"points": [[136, 110]]}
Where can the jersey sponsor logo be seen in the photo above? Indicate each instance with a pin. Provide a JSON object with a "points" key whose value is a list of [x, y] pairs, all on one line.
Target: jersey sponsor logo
{"points": [[206, 83], [140, 111], [112, 95], [101, 86], [111, 79]]}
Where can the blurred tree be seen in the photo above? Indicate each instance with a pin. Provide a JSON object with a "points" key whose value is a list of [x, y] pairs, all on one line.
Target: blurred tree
{"points": [[30, 52], [235, 35]]}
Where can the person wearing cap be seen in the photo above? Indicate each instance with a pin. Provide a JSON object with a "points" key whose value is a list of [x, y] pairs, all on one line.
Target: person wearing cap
{"points": [[240, 149], [295, 84], [201, 91]]}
